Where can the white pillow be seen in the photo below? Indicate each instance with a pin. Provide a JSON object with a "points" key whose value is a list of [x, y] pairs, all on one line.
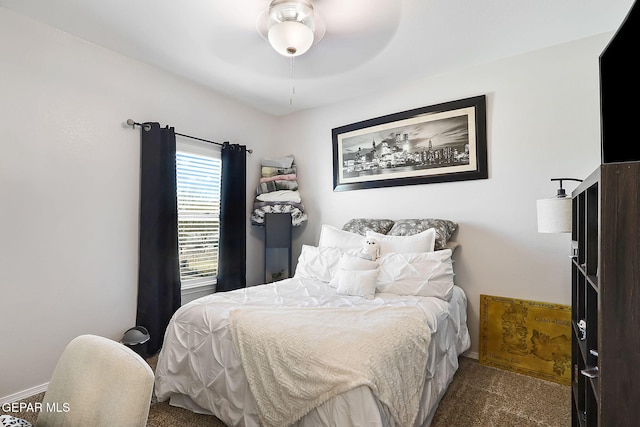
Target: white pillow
{"points": [[352, 263], [421, 242], [336, 238], [360, 283], [428, 274], [318, 263]]}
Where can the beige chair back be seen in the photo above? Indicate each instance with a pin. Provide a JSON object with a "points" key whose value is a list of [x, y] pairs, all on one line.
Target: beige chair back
{"points": [[97, 383]]}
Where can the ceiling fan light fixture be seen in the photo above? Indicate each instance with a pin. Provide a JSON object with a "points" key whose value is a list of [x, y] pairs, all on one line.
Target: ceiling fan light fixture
{"points": [[290, 26], [290, 38]]}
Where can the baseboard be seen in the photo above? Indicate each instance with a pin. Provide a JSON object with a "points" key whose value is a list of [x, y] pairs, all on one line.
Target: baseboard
{"points": [[472, 355], [24, 394]]}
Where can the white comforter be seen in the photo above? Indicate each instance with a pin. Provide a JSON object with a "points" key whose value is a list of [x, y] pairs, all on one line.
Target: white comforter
{"points": [[199, 369]]}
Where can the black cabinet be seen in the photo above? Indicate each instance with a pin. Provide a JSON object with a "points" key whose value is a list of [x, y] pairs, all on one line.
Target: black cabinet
{"points": [[277, 247], [585, 287], [605, 273]]}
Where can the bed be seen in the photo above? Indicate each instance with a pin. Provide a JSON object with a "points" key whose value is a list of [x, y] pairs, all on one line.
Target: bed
{"points": [[390, 339]]}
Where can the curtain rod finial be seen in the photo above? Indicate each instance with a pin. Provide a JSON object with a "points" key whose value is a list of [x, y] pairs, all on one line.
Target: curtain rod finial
{"points": [[133, 124]]}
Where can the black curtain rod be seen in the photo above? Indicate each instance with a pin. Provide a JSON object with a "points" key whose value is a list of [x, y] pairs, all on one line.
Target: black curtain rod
{"points": [[133, 124]]}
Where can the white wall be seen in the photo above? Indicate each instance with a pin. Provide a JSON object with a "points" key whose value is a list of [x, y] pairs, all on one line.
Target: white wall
{"points": [[69, 179], [542, 121]]}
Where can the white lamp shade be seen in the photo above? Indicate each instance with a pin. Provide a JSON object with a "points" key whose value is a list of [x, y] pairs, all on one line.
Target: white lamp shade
{"points": [[290, 38], [554, 215]]}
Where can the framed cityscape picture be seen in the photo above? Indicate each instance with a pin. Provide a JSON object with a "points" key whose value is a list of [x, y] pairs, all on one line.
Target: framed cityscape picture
{"points": [[438, 143]]}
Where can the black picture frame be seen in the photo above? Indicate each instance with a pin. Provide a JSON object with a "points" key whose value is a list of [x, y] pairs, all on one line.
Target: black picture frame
{"points": [[438, 143]]}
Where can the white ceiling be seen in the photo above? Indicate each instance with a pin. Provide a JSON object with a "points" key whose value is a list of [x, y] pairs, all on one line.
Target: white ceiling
{"points": [[369, 44]]}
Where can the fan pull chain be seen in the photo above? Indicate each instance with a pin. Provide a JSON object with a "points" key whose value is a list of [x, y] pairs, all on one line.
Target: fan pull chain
{"points": [[293, 79]]}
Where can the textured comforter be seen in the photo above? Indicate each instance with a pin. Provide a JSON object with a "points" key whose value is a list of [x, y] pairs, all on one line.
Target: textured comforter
{"points": [[199, 369], [298, 358]]}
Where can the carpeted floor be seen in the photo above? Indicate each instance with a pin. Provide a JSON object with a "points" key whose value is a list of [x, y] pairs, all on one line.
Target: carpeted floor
{"points": [[479, 396], [482, 396]]}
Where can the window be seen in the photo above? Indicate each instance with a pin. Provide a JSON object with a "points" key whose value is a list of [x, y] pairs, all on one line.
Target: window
{"points": [[198, 187]]}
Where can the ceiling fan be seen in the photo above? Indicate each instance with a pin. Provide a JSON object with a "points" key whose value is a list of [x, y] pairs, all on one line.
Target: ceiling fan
{"points": [[291, 26], [347, 34]]}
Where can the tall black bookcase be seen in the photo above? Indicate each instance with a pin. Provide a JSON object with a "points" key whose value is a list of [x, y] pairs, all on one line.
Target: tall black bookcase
{"points": [[605, 272]]}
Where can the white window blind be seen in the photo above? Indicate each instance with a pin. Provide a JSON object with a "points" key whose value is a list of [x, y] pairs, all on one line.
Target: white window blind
{"points": [[198, 188]]}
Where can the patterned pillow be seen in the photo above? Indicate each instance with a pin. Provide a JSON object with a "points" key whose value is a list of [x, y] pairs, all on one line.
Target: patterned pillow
{"points": [[8, 420], [408, 227], [362, 225]]}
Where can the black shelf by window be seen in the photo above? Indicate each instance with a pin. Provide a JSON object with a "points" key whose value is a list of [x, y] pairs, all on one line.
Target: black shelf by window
{"points": [[277, 247]]}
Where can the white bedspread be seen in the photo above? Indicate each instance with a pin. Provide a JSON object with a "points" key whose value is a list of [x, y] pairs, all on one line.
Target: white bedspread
{"points": [[199, 369], [296, 359]]}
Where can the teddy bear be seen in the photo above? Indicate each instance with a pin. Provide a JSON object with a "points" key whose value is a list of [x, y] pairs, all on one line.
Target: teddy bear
{"points": [[370, 250]]}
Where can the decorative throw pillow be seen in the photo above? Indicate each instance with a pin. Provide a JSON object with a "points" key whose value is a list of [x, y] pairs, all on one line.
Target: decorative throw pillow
{"points": [[335, 238], [362, 225], [408, 227], [351, 262], [9, 421], [421, 242], [318, 263], [348, 261], [428, 274], [361, 283]]}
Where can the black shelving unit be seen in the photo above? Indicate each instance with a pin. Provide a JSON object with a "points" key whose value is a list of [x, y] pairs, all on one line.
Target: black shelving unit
{"points": [[605, 272], [277, 247]]}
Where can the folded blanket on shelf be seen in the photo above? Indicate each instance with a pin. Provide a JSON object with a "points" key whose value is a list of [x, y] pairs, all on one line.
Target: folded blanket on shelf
{"points": [[271, 186], [285, 177], [298, 216], [258, 204], [277, 191], [268, 171], [278, 162], [280, 196]]}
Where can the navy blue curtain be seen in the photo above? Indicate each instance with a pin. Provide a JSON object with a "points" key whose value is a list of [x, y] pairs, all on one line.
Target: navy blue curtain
{"points": [[159, 273], [232, 256]]}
